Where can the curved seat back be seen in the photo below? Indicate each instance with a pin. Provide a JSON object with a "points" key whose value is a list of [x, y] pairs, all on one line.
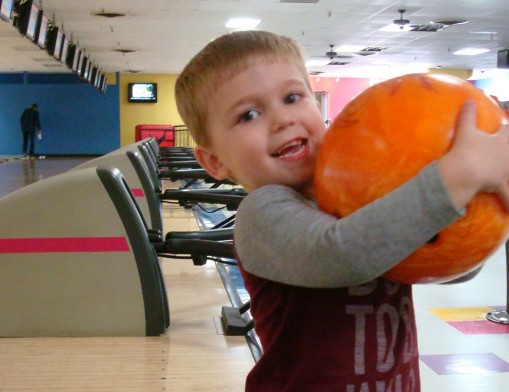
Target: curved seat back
{"points": [[75, 260], [136, 173]]}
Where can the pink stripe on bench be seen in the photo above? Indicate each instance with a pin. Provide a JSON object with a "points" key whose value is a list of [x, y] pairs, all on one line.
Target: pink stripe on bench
{"points": [[64, 244]]}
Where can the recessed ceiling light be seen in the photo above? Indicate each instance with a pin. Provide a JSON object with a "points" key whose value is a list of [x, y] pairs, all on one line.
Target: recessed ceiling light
{"points": [[484, 32], [242, 23], [450, 22], [317, 62], [470, 51], [349, 48]]}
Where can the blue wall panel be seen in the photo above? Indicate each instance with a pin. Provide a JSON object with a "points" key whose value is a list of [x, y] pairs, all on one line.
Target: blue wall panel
{"points": [[76, 118]]}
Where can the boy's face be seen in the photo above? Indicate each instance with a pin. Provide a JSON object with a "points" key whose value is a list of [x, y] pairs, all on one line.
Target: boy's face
{"points": [[264, 127]]}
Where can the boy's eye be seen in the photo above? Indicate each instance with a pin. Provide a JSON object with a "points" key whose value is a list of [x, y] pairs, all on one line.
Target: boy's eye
{"points": [[292, 98], [249, 116]]}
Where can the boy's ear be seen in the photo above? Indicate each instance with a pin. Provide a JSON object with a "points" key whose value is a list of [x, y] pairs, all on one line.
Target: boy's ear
{"points": [[211, 163]]}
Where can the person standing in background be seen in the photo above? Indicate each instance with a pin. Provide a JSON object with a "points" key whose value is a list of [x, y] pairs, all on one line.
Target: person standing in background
{"points": [[30, 124]]}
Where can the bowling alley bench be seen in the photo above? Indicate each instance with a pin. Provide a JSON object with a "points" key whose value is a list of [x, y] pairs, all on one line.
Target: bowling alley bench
{"points": [[80, 251]]}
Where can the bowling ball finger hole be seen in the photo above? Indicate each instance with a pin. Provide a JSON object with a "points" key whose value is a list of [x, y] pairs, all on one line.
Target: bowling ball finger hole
{"points": [[433, 240]]}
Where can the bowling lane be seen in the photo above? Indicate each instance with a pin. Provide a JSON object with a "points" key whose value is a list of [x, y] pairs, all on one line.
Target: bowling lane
{"points": [[17, 173]]}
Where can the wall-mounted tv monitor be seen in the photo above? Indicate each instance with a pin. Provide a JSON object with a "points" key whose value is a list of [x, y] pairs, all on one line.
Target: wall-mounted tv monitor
{"points": [[6, 9], [27, 19], [54, 41], [73, 56], [103, 85], [57, 53], [85, 71], [42, 27], [93, 75], [503, 58], [90, 70], [142, 92], [77, 60], [65, 49], [82, 65], [98, 80]]}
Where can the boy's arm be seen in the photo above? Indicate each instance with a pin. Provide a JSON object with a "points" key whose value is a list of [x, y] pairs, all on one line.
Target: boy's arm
{"points": [[281, 236]]}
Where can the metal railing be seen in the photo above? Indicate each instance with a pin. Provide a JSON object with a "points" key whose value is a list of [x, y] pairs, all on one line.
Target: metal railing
{"points": [[183, 137]]}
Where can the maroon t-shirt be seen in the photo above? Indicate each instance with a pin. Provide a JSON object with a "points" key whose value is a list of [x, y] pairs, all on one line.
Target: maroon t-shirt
{"points": [[352, 339]]}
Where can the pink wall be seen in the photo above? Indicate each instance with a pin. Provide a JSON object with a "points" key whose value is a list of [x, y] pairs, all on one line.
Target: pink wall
{"points": [[341, 90]]}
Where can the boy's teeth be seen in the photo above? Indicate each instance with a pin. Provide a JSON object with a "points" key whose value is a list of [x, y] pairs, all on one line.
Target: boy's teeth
{"points": [[290, 149]]}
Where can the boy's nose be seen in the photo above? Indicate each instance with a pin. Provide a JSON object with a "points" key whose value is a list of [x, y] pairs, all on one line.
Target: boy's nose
{"points": [[281, 120]]}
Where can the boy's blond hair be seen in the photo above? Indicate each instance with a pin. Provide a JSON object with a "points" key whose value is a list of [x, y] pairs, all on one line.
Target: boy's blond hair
{"points": [[219, 61]]}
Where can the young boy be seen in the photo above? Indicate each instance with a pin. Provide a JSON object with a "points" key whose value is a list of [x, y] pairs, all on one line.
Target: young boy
{"points": [[325, 318]]}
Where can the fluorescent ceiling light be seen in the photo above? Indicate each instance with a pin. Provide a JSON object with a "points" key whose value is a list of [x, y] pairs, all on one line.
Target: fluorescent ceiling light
{"points": [[470, 51], [349, 48], [242, 23], [317, 62], [394, 28], [484, 32]]}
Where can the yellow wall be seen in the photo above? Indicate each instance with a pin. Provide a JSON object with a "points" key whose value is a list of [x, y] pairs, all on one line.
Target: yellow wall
{"points": [[164, 111], [111, 78]]}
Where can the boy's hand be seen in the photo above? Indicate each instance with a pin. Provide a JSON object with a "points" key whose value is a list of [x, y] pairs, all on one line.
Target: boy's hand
{"points": [[477, 161]]}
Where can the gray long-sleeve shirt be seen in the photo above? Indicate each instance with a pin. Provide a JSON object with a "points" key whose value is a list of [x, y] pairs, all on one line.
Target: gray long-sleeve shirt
{"points": [[282, 236]]}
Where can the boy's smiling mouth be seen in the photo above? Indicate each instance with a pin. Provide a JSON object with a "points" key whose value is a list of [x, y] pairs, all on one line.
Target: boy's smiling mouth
{"points": [[292, 149]]}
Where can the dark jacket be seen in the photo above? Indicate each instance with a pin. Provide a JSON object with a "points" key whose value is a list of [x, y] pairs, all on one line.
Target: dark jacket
{"points": [[30, 120]]}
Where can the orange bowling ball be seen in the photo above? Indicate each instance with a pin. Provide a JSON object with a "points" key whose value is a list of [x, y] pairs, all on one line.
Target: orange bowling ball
{"points": [[384, 137]]}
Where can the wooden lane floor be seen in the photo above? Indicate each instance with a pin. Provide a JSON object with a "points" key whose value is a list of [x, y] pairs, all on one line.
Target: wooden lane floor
{"points": [[18, 173], [193, 355]]}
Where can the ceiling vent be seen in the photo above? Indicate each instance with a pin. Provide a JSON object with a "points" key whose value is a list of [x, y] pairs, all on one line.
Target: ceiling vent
{"points": [[300, 1], [338, 63], [124, 51], [430, 27], [370, 50], [437, 25], [374, 49], [105, 14]]}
